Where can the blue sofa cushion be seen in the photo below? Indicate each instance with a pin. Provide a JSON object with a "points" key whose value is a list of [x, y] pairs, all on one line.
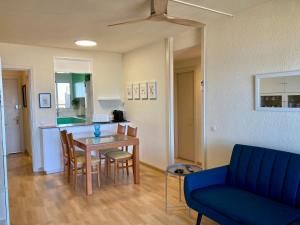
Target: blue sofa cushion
{"points": [[266, 172], [245, 207]]}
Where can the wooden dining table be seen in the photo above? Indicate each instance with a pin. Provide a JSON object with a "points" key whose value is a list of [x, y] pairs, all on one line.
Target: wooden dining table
{"points": [[90, 144]]}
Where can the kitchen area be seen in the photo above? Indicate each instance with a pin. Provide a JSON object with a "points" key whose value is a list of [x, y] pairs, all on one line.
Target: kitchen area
{"points": [[74, 103]]}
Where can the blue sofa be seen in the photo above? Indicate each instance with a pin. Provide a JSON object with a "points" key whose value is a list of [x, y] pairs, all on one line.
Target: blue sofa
{"points": [[260, 187]]}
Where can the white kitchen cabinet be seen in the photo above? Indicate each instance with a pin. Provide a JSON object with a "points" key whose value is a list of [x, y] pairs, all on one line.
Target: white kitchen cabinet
{"points": [[52, 154]]}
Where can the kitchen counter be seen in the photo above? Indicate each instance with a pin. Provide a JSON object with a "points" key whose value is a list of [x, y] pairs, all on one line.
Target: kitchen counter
{"points": [[79, 124], [51, 143]]}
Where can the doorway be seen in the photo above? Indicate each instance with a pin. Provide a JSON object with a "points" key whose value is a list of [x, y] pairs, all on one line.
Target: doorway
{"points": [[187, 106], [17, 111], [12, 115], [185, 115]]}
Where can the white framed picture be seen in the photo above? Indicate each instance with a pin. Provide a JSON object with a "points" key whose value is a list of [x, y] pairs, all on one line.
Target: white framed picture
{"points": [[152, 90], [136, 91], [45, 100], [129, 92], [144, 90]]}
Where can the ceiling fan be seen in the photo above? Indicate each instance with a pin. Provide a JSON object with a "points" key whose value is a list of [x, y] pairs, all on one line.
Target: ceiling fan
{"points": [[159, 12]]}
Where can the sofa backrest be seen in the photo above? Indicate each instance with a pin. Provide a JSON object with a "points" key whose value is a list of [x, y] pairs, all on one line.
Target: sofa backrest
{"points": [[266, 172]]}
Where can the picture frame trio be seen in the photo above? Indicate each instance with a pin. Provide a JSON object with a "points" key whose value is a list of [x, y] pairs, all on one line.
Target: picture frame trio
{"points": [[142, 90]]}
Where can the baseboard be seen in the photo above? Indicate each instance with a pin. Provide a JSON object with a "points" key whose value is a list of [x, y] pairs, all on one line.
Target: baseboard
{"points": [[53, 171], [152, 167]]}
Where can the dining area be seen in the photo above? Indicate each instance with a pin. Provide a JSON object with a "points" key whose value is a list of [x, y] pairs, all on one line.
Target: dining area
{"points": [[100, 154]]}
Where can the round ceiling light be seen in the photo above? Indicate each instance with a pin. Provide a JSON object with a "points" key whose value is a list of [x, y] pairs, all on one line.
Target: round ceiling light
{"points": [[86, 43]]}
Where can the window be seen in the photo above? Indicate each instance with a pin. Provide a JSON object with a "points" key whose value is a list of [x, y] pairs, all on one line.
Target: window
{"points": [[63, 95], [79, 90]]}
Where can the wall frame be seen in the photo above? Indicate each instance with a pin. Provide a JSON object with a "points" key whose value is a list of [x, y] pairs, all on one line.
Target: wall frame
{"points": [[274, 91], [45, 100]]}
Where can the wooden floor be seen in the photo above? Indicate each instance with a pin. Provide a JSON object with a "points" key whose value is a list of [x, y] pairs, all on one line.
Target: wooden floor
{"points": [[50, 200], [184, 161]]}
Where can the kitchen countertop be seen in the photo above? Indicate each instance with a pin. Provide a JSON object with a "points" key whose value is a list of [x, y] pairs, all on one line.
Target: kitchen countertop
{"points": [[78, 124]]}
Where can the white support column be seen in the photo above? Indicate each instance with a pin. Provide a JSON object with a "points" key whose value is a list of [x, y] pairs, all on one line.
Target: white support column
{"points": [[170, 81], [4, 204]]}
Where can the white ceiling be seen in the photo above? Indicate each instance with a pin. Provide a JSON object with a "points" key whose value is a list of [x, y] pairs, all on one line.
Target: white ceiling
{"points": [[58, 23], [187, 53]]}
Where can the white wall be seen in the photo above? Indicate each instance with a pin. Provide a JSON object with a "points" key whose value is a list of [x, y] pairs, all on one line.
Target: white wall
{"points": [[262, 39], [150, 116], [190, 38], [107, 79]]}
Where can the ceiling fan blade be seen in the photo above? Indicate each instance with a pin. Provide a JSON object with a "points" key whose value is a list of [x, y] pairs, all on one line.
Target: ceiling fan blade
{"points": [[185, 22], [159, 7], [130, 21], [202, 7]]}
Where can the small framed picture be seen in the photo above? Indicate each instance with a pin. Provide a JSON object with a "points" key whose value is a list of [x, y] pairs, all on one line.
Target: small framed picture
{"points": [[144, 90], [136, 91], [152, 90], [45, 100], [129, 92]]}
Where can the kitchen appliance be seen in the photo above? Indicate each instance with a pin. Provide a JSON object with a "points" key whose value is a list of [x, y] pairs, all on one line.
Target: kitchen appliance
{"points": [[101, 118], [118, 116]]}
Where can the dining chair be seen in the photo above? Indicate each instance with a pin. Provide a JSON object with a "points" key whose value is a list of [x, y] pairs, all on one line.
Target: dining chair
{"points": [[122, 157], [65, 152], [77, 163], [120, 130]]}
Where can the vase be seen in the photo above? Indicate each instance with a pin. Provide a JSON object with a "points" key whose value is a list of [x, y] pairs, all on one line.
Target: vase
{"points": [[97, 131]]}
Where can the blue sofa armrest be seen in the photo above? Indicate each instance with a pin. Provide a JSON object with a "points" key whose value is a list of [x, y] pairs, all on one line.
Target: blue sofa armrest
{"points": [[204, 179]]}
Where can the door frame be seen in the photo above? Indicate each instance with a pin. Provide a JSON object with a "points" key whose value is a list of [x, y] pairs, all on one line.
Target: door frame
{"points": [[197, 147], [4, 147], [31, 106], [170, 91]]}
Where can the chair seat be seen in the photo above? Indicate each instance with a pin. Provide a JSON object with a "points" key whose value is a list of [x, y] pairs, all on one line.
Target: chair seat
{"points": [[119, 155], [81, 160], [239, 205], [79, 153], [104, 152]]}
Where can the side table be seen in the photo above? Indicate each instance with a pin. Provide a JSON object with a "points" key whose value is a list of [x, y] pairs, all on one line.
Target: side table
{"points": [[178, 170]]}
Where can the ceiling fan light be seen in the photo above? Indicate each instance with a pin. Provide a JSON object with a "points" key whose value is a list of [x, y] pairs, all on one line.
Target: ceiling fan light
{"points": [[86, 43]]}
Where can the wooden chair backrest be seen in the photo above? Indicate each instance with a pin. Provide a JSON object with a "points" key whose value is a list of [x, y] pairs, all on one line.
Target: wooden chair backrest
{"points": [[64, 143], [132, 131], [121, 129], [72, 148]]}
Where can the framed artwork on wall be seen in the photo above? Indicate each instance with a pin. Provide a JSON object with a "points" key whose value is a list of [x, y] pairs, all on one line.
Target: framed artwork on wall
{"points": [[129, 92], [136, 91], [45, 100], [144, 90], [152, 90]]}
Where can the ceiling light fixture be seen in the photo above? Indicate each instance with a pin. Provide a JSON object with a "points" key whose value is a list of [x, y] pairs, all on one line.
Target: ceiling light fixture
{"points": [[86, 43]]}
